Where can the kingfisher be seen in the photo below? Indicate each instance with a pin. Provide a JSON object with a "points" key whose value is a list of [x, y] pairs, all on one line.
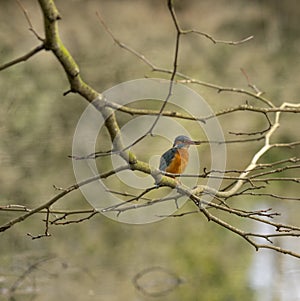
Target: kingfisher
{"points": [[176, 158]]}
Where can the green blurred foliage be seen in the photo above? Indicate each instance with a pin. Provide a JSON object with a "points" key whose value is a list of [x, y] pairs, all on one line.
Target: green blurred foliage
{"points": [[97, 260]]}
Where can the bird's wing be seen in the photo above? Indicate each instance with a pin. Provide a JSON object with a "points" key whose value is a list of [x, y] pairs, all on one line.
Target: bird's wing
{"points": [[166, 158]]}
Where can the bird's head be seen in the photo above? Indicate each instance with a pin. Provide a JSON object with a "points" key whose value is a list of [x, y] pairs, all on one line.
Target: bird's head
{"points": [[183, 141]]}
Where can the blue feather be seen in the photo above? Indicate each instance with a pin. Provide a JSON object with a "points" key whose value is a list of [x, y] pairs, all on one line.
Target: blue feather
{"points": [[167, 158]]}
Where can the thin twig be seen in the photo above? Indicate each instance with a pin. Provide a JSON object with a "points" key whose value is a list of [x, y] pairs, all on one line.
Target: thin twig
{"points": [[23, 58], [60, 195], [216, 41], [26, 14]]}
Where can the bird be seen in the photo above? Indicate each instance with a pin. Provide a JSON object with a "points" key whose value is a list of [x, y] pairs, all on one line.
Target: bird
{"points": [[176, 158]]}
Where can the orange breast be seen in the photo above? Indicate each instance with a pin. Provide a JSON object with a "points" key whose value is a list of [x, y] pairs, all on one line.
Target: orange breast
{"points": [[179, 162]]}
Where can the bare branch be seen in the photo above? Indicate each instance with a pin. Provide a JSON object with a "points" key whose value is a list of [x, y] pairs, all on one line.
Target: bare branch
{"points": [[23, 58], [216, 41], [254, 160], [252, 86], [242, 182], [60, 195], [46, 234], [26, 14], [58, 221]]}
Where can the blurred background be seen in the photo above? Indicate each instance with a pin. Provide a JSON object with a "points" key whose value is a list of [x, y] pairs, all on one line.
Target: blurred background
{"points": [[175, 259]]}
